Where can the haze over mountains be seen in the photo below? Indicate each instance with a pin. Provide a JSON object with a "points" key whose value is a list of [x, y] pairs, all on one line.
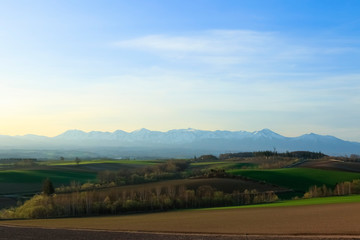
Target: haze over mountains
{"points": [[173, 143]]}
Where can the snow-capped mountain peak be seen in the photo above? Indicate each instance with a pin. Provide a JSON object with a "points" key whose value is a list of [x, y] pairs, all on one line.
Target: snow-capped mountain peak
{"points": [[186, 141], [74, 133], [267, 133]]}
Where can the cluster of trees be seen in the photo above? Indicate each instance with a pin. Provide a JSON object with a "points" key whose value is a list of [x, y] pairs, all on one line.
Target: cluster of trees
{"points": [[354, 157], [226, 156], [341, 189], [77, 186], [305, 154], [351, 158], [267, 154], [206, 158], [295, 154], [172, 169], [117, 201], [214, 173], [271, 159]]}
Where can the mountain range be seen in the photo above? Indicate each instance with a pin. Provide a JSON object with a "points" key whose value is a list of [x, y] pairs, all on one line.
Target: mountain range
{"points": [[174, 143]]}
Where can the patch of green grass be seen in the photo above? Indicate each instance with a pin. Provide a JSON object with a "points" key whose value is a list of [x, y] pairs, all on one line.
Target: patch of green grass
{"points": [[298, 179], [299, 202], [5, 165], [22, 181], [205, 163], [99, 161], [37, 176], [225, 165], [234, 166]]}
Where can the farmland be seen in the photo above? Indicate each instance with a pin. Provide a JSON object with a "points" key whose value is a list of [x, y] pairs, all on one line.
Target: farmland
{"points": [[119, 162], [297, 202], [180, 196], [333, 164], [18, 182], [298, 179], [132, 185], [326, 219], [29, 179], [226, 185]]}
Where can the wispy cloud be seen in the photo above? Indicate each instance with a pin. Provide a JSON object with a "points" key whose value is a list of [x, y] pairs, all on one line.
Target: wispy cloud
{"points": [[250, 50], [220, 41]]}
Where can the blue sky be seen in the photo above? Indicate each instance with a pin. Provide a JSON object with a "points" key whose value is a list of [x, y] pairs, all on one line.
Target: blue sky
{"points": [[291, 66]]}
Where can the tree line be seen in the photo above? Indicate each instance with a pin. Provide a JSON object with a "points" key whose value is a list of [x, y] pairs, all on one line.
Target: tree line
{"points": [[119, 201], [267, 154], [341, 189]]}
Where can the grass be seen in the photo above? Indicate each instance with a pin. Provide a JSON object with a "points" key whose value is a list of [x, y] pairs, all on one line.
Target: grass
{"points": [[298, 179], [234, 166], [298, 202], [30, 180], [99, 161], [205, 163], [57, 176]]}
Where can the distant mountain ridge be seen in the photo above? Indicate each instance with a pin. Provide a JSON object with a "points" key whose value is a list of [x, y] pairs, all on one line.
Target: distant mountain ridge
{"points": [[176, 135], [176, 142]]}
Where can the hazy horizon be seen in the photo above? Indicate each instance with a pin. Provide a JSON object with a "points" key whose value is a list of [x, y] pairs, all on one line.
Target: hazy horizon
{"points": [[185, 129], [290, 66]]}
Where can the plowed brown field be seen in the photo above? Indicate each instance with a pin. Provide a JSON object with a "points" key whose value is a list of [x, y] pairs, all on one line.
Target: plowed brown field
{"points": [[327, 221], [332, 164]]}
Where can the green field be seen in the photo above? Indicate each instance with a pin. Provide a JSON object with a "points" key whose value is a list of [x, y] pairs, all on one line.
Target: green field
{"points": [[298, 179], [298, 202], [30, 180], [16, 179], [99, 161], [57, 176], [205, 163]]}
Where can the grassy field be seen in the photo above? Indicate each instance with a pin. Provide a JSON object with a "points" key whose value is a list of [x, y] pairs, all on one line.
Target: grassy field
{"points": [[323, 219], [57, 176], [28, 180], [206, 163], [225, 165], [99, 161], [298, 179], [298, 202]]}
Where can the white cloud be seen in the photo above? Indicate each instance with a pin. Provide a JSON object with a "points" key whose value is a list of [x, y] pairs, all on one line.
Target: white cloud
{"points": [[206, 42], [251, 50], [232, 77]]}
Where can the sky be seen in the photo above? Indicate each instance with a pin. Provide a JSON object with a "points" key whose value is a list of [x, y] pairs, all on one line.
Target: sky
{"points": [[290, 66]]}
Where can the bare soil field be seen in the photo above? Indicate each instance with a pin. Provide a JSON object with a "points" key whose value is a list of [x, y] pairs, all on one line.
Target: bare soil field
{"points": [[227, 185], [329, 221], [332, 164], [6, 202], [16, 188], [21, 233]]}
